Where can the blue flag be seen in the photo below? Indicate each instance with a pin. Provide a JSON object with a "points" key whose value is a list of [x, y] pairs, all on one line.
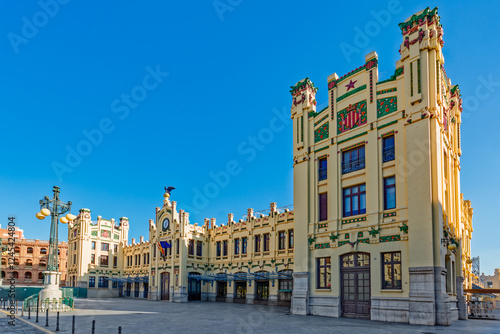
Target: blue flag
{"points": [[165, 244]]}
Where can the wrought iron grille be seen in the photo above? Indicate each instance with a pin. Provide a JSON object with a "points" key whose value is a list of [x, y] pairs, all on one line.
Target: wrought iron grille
{"points": [[353, 165], [388, 153]]}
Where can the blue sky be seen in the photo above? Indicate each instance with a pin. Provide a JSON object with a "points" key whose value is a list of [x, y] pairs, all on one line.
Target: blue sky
{"points": [[175, 93]]}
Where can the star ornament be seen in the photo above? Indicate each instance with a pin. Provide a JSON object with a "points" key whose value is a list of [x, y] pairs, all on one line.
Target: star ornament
{"points": [[351, 84]]}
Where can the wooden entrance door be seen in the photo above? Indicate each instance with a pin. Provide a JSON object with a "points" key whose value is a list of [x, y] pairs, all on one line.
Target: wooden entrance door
{"points": [[165, 286], [355, 282], [221, 291]]}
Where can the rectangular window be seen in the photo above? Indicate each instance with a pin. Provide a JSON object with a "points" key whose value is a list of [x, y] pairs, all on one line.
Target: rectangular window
{"points": [[199, 248], [74, 259], [139, 259], [388, 153], [104, 260], [391, 268], [115, 248], [290, 238], [93, 245], [389, 193], [104, 246], [236, 246], [178, 247], [154, 251], [218, 250], [92, 258], [353, 160], [115, 261], [74, 246], [243, 245], [191, 247], [323, 273], [323, 207], [282, 240], [267, 239], [91, 282], [101, 282], [354, 200], [322, 169], [257, 244], [224, 248]]}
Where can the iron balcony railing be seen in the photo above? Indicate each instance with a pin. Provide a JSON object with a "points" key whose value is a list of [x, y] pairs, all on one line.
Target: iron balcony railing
{"points": [[353, 165], [388, 153], [323, 174]]}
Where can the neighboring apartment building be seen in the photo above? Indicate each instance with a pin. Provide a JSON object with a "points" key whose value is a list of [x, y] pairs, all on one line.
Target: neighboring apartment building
{"points": [[490, 281], [30, 259], [377, 189]]}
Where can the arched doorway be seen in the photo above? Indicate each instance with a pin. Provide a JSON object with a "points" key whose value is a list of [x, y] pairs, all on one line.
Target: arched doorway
{"points": [[355, 284], [221, 288], [261, 289], [194, 287], [165, 286]]}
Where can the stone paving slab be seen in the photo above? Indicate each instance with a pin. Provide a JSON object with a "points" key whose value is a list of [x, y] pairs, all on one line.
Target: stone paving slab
{"points": [[142, 316]]}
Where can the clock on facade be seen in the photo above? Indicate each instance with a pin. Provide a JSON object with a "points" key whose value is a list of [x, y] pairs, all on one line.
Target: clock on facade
{"points": [[166, 224]]}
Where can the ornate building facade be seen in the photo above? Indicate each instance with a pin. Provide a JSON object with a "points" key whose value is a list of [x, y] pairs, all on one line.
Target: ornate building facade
{"points": [[379, 230]]}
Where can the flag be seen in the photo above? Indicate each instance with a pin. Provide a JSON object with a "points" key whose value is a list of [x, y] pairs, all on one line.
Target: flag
{"points": [[160, 248], [165, 244]]}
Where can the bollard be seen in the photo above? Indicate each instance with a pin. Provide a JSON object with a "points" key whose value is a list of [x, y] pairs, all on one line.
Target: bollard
{"points": [[29, 311], [47, 318], [57, 322], [120, 330], [37, 311], [73, 326], [93, 326]]}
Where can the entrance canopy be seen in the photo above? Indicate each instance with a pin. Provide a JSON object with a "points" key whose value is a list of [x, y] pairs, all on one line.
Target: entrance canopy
{"points": [[261, 275], [130, 279]]}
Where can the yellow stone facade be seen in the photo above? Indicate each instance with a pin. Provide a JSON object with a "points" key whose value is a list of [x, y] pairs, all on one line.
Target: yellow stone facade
{"points": [[379, 230]]}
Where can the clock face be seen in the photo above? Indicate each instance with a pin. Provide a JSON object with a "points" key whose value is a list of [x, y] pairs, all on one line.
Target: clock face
{"points": [[166, 224]]}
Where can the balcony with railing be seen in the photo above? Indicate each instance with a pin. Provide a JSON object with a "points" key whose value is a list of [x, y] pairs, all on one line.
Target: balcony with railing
{"points": [[388, 153], [349, 166], [322, 174]]}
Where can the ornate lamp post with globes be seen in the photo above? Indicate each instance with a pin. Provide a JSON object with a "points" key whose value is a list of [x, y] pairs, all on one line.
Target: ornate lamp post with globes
{"points": [[55, 208]]}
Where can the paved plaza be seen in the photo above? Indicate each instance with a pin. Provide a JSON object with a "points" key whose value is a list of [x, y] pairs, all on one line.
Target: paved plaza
{"points": [[142, 316]]}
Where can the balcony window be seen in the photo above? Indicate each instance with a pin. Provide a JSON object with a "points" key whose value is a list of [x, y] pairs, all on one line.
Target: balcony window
{"points": [[389, 193], [323, 207], [236, 246], [218, 249], [281, 244], [199, 248], [354, 200], [267, 239], [353, 160], [322, 169], [243, 245], [388, 148]]}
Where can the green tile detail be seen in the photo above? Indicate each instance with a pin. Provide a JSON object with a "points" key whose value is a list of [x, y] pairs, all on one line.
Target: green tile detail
{"points": [[364, 241], [354, 220], [322, 132], [346, 235], [373, 232], [333, 237], [387, 124], [93, 233], [321, 120], [352, 92], [385, 91], [390, 214], [397, 73], [390, 238], [321, 149], [386, 106], [404, 228], [343, 242], [116, 237], [323, 225], [321, 246], [353, 137], [360, 234]]}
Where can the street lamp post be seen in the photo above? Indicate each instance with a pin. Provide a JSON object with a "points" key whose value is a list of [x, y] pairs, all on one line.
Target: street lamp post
{"points": [[55, 208]]}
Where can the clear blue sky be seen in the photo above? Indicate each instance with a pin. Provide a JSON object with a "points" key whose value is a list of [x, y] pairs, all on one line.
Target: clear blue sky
{"points": [[218, 74]]}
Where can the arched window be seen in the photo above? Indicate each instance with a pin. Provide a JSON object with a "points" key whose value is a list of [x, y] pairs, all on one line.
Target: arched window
{"points": [[29, 263], [40, 276], [3, 274], [30, 250], [42, 264], [15, 274], [43, 251], [17, 249], [16, 262], [4, 262], [27, 276]]}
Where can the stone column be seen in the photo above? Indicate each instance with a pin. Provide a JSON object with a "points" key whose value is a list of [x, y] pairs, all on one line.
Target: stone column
{"points": [[462, 302], [300, 294]]}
